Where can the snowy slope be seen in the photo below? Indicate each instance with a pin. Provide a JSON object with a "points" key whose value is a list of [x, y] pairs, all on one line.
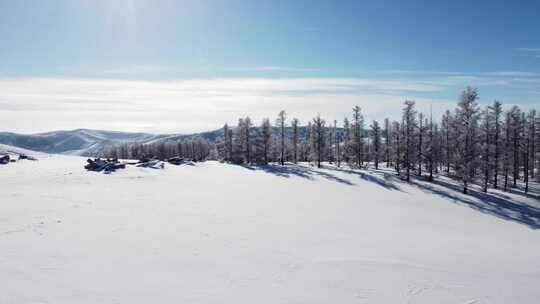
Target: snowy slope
{"points": [[219, 233], [16, 151], [77, 142]]}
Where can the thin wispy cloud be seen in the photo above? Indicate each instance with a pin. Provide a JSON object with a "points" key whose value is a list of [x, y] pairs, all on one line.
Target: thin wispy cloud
{"points": [[535, 51], [141, 70], [190, 105], [420, 72], [284, 69], [511, 73], [528, 49], [138, 70], [269, 69], [462, 74]]}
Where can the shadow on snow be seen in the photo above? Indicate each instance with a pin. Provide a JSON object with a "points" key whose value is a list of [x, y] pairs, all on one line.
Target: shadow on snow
{"points": [[297, 170], [497, 204]]}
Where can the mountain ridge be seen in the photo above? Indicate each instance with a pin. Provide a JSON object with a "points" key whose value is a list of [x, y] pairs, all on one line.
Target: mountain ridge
{"points": [[88, 142]]}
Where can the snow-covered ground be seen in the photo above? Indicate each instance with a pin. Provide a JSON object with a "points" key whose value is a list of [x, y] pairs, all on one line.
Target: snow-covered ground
{"points": [[219, 233]]}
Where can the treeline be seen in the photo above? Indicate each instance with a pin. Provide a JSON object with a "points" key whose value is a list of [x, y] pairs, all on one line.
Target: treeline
{"points": [[197, 149], [487, 145]]}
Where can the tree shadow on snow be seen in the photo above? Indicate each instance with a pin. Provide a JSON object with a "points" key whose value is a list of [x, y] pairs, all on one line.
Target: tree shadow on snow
{"points": [[297, 170], [386, 181], [380, 178], [499, 205], [496, 204]]}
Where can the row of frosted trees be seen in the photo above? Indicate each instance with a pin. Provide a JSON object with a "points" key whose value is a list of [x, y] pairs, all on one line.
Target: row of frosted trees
{"points": [[196, 149], [485, 146]]}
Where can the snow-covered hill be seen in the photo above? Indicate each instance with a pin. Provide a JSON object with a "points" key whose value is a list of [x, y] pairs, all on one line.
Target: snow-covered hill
{"points": [[79, 142], [84, 141], [16, 151], [219, 233]]}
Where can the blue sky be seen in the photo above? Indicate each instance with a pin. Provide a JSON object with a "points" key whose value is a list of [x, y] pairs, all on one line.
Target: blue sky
{"points": [[376, 52]]}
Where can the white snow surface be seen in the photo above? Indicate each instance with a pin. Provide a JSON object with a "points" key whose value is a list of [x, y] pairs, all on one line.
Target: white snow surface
{"points": [[221, 233]]}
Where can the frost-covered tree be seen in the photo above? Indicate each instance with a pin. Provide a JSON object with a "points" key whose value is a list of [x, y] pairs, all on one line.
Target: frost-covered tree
{"points": [[248, 126], [467, 124], [409, 126], [421, 132], [357, 140], [346, 141], [506, 164], [318, 127], [242, 142], [532, 137], [514, 127], [266, 132], [446, 131], [397, 140], [238, 142], [337, 144], [387, 142], [376, 142], [431, 151], [280, 122], [294, 125], [528, 125], [495, 112], [536, 148], [227, 143], [485, 142]]}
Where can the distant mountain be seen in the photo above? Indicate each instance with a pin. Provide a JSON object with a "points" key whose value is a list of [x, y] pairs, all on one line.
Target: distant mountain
{"points": [[88, 142]]}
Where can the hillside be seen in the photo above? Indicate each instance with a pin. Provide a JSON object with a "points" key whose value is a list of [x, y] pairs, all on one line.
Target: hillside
{"points": [[86, 142], [272, 234]]}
